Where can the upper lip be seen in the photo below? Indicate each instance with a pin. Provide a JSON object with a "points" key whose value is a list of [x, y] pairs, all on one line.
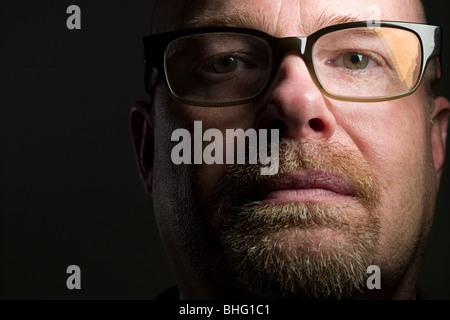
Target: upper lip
{"points": [[304, 180]]}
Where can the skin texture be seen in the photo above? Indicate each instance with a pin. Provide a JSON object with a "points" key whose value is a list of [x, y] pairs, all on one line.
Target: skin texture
{"points": [[396, 139]]}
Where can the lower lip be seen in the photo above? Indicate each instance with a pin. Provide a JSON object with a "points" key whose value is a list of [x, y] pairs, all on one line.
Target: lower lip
{"points": [[302, 195]]}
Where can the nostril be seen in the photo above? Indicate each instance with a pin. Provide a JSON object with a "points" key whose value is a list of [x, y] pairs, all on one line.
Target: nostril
{"points": [[316, 124]]}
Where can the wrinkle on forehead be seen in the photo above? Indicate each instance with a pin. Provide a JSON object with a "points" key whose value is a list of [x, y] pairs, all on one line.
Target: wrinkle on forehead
{"points": [[296, 17], [279, 15]]}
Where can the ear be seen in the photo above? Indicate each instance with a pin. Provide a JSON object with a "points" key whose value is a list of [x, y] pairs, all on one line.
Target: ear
{"points": [[439, 128], [142, 129]]}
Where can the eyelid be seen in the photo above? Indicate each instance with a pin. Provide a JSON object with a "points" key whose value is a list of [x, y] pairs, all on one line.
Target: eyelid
{"points": [[377, 58], [207, 62], [240, 56]]}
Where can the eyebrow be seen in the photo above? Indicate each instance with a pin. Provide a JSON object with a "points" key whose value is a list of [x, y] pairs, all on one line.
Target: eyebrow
{"points": [[243, 19], [235, 19], [326, 20]]}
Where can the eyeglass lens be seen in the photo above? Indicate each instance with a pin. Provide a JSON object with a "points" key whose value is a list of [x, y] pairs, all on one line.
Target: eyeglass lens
{"points": [[358, 63], [368, 63]]}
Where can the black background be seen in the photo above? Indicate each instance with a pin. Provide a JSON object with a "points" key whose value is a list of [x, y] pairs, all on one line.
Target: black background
{"points": [[69, 188]]}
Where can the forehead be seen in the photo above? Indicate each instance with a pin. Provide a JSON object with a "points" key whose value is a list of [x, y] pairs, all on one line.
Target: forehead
{"points": [[279, 17]]}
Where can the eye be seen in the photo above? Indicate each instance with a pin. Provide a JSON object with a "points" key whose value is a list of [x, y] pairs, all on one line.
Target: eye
{"points": [[225, 64], [355, 61]]}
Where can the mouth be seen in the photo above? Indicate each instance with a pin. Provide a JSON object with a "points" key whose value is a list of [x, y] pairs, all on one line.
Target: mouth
{"points": [[304, 186]]}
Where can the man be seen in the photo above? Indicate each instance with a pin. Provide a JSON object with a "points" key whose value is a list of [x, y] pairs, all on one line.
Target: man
{"points": [[361, 145]]}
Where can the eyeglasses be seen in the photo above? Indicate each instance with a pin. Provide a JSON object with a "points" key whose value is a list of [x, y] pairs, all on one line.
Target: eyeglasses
{"points": [[358, 61]]}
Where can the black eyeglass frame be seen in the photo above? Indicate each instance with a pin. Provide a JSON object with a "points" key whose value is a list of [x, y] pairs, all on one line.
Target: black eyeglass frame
{"points": [[155, 47]]}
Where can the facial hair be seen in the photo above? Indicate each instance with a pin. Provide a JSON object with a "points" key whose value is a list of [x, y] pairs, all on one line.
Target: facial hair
{"points": [[301, 249]]}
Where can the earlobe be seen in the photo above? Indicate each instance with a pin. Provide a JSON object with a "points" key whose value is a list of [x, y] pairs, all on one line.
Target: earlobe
{"points": [[142, 131], [440, 118]]}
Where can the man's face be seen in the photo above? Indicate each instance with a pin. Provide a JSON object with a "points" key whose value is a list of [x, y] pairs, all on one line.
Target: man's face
{"points": [[356, 185]]}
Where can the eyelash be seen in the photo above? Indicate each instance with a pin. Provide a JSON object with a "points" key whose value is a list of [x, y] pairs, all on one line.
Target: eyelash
{"points": [[206, 64], [378, 59]]}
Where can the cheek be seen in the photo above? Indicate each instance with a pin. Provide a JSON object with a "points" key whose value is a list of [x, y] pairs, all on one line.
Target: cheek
{"points": [[392, 138], [192, 183], [207, 178]]}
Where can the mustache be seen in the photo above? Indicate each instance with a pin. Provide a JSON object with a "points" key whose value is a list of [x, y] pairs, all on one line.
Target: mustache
{"points": [[323, 156], [264, 241]]}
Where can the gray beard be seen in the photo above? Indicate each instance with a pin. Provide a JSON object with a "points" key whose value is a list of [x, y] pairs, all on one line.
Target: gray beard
{"points": [[301, 250], [276, 254]]}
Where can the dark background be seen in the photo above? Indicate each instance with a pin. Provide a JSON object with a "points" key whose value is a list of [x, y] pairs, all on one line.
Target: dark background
{"points": [[69, 188]]}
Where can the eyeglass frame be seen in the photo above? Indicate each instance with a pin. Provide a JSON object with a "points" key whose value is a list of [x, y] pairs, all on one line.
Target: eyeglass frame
{"points": [[155, 47]]}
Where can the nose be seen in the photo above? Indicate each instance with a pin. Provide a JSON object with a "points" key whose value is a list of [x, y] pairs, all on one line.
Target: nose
{"points": [[295, 105]]}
